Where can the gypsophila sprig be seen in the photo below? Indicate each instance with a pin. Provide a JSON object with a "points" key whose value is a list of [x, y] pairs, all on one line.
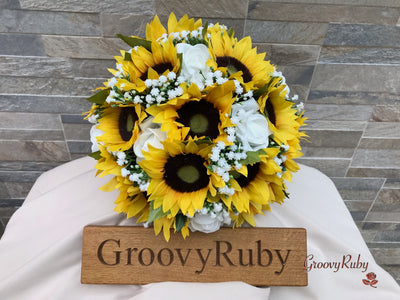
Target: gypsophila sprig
{"points": [[197, 130]]}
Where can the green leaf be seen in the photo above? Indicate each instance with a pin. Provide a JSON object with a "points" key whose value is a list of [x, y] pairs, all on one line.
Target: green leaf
{"points": [[128, 56], [133, 42], [180, 57], [231, 32], [96, 155], [204, 31], [180, 221], [252, 157], [99, 97], [155, 214], [261, 91]]}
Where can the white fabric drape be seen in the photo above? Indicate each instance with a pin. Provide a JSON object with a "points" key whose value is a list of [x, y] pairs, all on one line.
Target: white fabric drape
{"points": [[40, 251]]}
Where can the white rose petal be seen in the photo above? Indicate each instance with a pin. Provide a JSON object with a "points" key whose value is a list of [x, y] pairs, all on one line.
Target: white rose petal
{"points": [[251, 126], [151, 134], [94, 133], [204, 223], [194, 60]]}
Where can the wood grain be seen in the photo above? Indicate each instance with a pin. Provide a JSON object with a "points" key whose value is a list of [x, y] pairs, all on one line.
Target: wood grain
{"points": [[134, 255]]}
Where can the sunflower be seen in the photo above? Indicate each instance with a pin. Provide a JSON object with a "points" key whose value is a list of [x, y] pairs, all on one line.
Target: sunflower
{"points": [[253, 191], [155, 29], [179, 176], [162, 59], [227, 52], [121, 126], [284, 122], [196, 114]]}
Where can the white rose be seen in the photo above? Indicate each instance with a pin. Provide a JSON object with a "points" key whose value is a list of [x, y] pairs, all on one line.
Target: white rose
{"points": [[194, 60], [204, 223], [150, 134], [251, 126], [94, 133]]}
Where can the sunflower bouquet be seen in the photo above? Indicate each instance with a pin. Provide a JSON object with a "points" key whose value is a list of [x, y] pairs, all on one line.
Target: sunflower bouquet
{"points": [[196, 129]]}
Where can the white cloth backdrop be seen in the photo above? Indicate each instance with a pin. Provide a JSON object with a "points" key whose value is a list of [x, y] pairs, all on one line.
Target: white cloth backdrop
{"points": [[40, 251]]}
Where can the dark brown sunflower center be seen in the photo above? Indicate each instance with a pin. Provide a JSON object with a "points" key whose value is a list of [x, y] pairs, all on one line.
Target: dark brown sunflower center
{"points": [[234, 65], [126, 122], [159, 68], [186, 173], [252, 171], [270, 112], [201, 117]]}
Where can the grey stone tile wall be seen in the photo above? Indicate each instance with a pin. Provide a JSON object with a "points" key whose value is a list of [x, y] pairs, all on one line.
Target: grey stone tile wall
{"points": [[341, 56]]}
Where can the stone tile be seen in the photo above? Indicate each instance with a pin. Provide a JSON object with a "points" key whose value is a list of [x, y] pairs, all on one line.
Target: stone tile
{"points": [[78, 147], [19, 176], [357, 55], [383, 216], [379, 143], [365, 189], [229, 9], [333, 138], [336, 125], [368, 235], [10, 4], [50, 86], [43, 135], [126, 24], [260, 10], [386, 256], [19, 189], [392, 184], [338, 112], [355, 3], [358, 215], [354, 97], [330, 167], [377, 158], [381, 226], [286, 32], [285, 55], [358, 205], [373, 172], [4, 191], [77, 131], [33, 151], [354, 78], [21, 44], [382, 130], [2, 228], [75, 119], [83, 47], [6, 203], [386, 113], [54, 67], [27, 165], [300, 90], [103, 6], [389, 196], [16, 120], [327, 152], [300, 75], [362, 35], [388, 236], [394, 270], [43, 104], [24, 21]]}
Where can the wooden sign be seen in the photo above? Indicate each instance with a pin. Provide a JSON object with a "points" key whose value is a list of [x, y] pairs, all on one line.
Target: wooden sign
{"points": [[134, 255]]}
